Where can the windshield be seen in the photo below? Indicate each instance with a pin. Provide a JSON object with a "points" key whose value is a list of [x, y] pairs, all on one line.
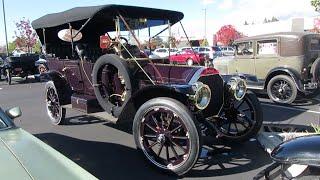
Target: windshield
{"points": [[3, 118]]}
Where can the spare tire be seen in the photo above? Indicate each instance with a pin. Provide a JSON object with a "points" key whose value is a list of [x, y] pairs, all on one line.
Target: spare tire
{"points": [[110, 75]]}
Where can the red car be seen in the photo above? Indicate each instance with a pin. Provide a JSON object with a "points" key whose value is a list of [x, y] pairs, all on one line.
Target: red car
{"points": [[187, 57]]}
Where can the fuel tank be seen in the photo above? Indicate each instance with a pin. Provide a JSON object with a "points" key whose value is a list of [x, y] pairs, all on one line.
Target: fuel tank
{"points": [[303, 150]]}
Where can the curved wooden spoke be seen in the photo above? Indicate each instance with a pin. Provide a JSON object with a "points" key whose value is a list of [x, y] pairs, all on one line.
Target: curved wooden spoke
{"points": [[167, 153], [180, 137], [150, 136], [155, 121], [160, 149], [149, 126], [153, 144], [235, 125], [181, 148], [175, 129], [174, 152]]}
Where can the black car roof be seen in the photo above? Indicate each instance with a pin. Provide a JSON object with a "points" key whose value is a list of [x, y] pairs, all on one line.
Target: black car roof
{"points": [[105, 12]]}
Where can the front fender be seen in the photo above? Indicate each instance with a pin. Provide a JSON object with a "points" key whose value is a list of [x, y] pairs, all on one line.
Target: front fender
{"points": [[302, 150], [288, 71], [178, 92]]}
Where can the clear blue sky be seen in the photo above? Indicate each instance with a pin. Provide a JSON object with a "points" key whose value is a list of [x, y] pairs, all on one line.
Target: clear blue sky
{"points": [[219, 12]]}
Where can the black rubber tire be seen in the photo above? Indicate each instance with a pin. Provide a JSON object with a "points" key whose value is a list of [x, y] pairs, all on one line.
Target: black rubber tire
{"points": [[190, 122], [8, 76], [123, 69], [290, 81], [258, 115], [55, 121]]}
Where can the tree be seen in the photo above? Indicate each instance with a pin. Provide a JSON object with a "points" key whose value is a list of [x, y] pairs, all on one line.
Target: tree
{"points": [[274, 19], [316, 4], [246, 23], [265, 20], [227, 34], [26, 37]]}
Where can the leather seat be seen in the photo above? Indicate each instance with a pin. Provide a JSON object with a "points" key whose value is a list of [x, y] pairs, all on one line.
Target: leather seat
{"points": [[302, 150]]}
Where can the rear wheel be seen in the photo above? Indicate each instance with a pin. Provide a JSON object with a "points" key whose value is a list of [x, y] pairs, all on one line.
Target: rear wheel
{"points": [[167, 134], [55, 111], [282, 89], [242, 120]]}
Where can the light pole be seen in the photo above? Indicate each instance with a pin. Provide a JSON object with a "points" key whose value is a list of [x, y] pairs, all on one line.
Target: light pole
{"points": [[205, 23], [5, 27]]}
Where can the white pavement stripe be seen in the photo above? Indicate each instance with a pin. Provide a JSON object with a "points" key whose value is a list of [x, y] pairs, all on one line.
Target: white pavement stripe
{"points": [[292, 108]]}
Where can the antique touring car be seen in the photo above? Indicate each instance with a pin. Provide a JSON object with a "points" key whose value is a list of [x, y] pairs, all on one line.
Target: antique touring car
{"points": [[93, 65]]}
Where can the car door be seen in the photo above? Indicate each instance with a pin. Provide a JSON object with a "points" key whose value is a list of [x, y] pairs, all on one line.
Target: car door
{"points": [[245, 60], [267, 56], [72, 72]]}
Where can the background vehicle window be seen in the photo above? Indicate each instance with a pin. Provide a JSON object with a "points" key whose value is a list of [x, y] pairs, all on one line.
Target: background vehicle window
{"points": [[201, 49], [162, 50], [207, 49], [315, 44], [244, 48], [267, 47]]}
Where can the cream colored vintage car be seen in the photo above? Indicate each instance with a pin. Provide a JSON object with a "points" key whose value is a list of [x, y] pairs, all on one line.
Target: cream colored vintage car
{"points": [[286, 64]]}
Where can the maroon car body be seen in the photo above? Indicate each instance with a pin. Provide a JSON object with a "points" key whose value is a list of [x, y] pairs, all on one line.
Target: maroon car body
{"points": [[166, 103], [187, 57]]}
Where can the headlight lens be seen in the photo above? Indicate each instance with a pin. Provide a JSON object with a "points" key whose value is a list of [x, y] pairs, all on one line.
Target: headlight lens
{"points": [[202, 95], [237, 87]]}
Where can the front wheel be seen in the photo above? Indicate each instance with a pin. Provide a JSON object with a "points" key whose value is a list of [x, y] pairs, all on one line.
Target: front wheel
{"points": [[282, 89], [242, 120], [55, 111], [167, 134]]}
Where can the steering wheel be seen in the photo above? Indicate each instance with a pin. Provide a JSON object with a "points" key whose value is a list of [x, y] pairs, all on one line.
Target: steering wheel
{"points": [[120, 38]]}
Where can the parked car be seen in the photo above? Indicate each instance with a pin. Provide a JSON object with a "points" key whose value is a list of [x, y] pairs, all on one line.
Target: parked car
{"points": [[212, 52], [20, 66], [293, 158], [187, 57], [287, 64], [165, 103], [227, 51], [23, 155], [164, 52]]}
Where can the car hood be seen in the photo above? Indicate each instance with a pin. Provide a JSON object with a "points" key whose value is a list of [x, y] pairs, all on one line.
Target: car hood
{"points": [[24, 156]]}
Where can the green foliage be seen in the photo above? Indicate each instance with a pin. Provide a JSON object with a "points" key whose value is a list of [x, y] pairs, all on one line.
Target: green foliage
{"points": [[12, 46], [316, 128], [37, 47], [316, 4]]}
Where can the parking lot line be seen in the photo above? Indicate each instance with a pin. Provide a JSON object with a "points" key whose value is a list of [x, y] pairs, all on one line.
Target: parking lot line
{"points": [[292, 108]]}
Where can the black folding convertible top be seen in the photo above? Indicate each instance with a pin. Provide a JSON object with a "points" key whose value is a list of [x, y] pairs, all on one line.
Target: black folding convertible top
{"points": [[102, 19], [105, 12]]}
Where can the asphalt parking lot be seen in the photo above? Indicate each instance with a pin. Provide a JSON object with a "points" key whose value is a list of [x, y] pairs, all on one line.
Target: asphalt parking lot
{"points": [[108, 152]]}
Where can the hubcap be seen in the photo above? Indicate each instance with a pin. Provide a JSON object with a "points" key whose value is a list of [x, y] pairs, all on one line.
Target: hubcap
{"points": [[164, 138], [281, 90]]}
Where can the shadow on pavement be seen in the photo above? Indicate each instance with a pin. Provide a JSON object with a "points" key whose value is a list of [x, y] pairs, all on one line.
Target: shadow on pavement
{"points": [[82, 120], [227, 159], [103, 160]]}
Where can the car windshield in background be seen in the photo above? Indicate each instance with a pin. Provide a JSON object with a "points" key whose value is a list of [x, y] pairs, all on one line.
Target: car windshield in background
{"points": [[216, 48], [315, 44]]}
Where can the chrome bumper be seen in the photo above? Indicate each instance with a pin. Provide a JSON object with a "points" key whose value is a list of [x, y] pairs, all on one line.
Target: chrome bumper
{"points": [[310, 86]]}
